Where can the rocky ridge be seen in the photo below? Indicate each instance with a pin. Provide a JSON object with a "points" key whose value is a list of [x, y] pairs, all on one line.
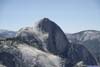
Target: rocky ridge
{"points": [[44, 45]]}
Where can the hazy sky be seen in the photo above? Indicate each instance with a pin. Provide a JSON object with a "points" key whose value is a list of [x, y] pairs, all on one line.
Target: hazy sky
{"points": [[71, 15]]}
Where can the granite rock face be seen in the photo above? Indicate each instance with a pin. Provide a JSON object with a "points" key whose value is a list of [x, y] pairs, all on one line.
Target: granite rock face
{"points": [[15, 53], [57, 42], [61, 45], [79, 53], [44, 45]]}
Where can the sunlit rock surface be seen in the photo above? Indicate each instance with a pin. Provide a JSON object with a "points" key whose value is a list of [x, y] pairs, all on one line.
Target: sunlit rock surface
{"points": [[22, 55]]}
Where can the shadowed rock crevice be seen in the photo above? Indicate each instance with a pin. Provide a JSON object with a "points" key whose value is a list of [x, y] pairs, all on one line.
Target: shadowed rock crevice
{"points": [[7, 59]]}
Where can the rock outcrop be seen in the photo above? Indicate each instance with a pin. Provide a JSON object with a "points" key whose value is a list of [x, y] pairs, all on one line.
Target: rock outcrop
{"points": [[15, 53], [57, 42]]}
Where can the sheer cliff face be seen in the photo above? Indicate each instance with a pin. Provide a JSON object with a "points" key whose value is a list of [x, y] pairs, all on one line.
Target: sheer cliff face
{"points": [[56, 43], [44, 45]]}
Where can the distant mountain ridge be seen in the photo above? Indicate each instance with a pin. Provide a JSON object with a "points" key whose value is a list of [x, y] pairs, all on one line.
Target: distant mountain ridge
{"points": [[89, 38], [86, 35], [7, 34]]}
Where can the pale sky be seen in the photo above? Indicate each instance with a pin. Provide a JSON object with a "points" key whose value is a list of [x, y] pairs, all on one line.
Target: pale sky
{"points": [[71, 15]]}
